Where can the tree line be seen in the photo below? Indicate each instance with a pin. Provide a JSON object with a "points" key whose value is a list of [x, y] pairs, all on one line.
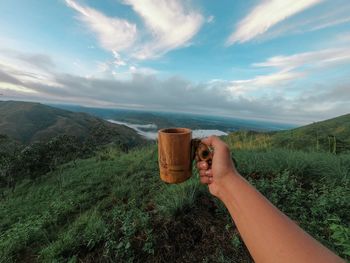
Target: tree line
{"points": [[18, 161]]}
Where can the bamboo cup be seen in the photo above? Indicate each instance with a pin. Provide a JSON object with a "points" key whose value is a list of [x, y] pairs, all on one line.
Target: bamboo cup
{"points": [[176, 152]]}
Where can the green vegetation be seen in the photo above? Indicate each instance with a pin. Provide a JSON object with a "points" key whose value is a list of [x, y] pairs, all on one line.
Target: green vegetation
{"points": [[35, 139], [331, 136], [113, 207], [28, 122], [64, 200]]}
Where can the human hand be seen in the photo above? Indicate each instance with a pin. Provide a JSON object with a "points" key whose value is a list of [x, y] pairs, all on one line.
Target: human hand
{"points": [[222, 168]]}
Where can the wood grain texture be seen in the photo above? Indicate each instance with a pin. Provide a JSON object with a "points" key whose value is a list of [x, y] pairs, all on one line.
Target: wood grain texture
{"points": [[174, 154]]}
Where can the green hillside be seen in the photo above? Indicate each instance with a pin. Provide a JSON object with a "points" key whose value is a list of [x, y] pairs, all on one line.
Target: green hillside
{"points": [[58, 205], [331, 135], [114, 208], [339, 127], [29, 122]]}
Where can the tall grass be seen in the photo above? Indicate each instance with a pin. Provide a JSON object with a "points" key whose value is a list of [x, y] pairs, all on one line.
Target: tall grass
{"points": [[172, 200], [300, 139], [324, 167], [108, 208]]}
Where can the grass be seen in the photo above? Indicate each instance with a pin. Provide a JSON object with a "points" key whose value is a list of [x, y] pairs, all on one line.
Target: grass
{"points": [[171, 200], [331, 136], [28, 122], [114, 208], [87, 231]]}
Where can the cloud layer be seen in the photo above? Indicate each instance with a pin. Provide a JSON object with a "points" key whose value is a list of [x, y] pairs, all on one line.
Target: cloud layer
{"points": [[266, 15], [330, 17], [302, 83], [321, 58], [264, 96], [113, 34], [170, 24]]}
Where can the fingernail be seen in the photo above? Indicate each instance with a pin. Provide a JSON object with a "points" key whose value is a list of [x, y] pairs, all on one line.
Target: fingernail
{"points": [[207, 172]]}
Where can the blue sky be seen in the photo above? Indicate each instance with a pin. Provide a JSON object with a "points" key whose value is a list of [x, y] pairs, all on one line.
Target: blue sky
{"points": [[282, 60]]}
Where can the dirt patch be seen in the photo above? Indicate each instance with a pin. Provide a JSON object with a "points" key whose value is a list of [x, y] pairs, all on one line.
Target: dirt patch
{"points": [[200, 234], [197, 235], [27, 255], [94, 256]]}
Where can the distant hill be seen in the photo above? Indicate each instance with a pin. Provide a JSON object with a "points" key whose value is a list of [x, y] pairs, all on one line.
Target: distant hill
{"points": [[331, 135], [178, 119], [339, 127], [113, 207], [28, 122]]}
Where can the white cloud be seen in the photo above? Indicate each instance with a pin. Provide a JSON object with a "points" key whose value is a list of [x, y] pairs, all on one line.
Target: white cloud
{"points": [[9, 87], [266, 15], [330, 23], [274, 79], [343, 38], [210, 19], [113, 34], [261, 84], [118, 61], [171, 23], [258, 97], [27, 68], [142, 70], [328, 16], [289, 70], [102, 67], [109, 70], [320, 58]]}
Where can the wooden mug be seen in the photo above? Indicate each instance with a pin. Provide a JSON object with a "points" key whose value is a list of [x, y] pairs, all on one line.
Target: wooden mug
{"points": [[176, 152]]}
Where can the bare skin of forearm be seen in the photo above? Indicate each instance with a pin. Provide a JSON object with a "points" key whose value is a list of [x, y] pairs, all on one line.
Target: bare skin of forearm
{"points": [[269, 235]]}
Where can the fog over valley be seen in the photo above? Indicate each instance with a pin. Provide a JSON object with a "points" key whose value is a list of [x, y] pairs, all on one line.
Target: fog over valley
{"points": [[152, 133]]}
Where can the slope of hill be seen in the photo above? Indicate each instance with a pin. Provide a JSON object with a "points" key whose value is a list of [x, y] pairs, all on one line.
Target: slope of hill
{"points": [[331, 135], [339, 127], [114, 208], [28, 122]]}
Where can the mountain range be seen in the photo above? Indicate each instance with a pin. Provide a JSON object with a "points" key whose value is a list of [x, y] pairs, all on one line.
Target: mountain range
{"points": [[62, 204], [27, 122]]}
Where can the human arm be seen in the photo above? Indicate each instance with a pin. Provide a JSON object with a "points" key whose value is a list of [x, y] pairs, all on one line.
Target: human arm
{"points": [[269, 235]]}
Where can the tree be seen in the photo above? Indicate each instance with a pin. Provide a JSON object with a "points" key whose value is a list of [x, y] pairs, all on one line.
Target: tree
{"points": [[9, 154]]}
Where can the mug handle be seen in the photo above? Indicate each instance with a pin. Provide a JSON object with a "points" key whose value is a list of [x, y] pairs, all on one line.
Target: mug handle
{"points": [[201, 152]]}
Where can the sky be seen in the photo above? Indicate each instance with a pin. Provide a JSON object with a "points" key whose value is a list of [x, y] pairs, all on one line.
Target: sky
{"points": [[280, 60]]}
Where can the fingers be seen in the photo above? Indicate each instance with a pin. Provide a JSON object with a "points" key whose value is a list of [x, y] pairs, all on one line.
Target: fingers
{"points": [[206, 180], [203, 173], [202, 165], [206, 174]]}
